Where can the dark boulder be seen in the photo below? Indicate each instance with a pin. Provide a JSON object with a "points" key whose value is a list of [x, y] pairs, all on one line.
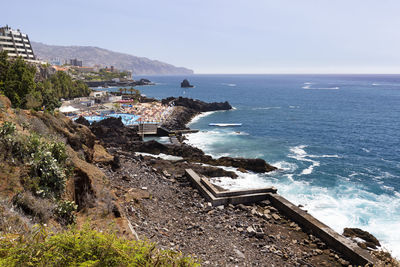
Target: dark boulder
{"points": [[255, 165], [151, 147], [185, 84], [109, 122], [194, 154], [112, 131], [197, 105], [116, 163], [83, 121], [370, 240]]}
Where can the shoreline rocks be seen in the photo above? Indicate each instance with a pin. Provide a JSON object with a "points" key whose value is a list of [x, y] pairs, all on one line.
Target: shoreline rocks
{"points": [[197, 105], [194, 154], [370, 240], [187, 108]]}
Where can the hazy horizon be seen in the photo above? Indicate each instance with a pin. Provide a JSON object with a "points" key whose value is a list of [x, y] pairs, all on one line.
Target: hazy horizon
{"points": [[227, 37]]}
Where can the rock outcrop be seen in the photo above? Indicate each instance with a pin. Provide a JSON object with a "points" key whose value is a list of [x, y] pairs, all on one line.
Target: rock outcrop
{"points": [[197, 155], [113, 132], [185, 84], [187, 108], [370, 240], [197, 105], [83, 121]]}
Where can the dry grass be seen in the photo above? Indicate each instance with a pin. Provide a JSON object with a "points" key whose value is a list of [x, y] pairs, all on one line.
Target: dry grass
{"points": [[39, 209], [11, 220]]}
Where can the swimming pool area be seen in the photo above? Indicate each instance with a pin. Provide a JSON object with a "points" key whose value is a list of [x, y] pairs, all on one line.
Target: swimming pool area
{"points": [[127, 119]]}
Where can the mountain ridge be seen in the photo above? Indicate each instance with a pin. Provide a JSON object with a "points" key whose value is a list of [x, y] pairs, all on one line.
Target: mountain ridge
{"points": [[93, 55]]}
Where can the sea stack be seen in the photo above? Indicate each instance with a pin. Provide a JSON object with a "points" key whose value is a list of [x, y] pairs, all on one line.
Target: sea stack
{"points": [[185, 84]]}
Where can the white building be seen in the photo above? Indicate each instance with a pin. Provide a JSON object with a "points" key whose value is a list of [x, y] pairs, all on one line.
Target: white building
{"points": [[16, 43]]}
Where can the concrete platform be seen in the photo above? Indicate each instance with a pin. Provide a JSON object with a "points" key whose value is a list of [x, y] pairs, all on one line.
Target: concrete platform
{"points": [[217, 197], [308, 223]]}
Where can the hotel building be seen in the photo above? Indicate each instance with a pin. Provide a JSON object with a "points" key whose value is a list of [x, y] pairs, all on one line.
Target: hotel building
{"points": [[16, 43]]}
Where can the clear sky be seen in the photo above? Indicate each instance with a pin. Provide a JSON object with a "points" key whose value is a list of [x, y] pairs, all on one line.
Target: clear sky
{"points": [[225, 36]]}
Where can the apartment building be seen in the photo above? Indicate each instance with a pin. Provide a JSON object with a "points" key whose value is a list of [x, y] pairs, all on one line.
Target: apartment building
{"points": [[16, 43]]}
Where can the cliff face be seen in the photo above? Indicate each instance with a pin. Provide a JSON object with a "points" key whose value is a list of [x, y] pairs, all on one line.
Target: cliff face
{"points": [[98, 56], [85, 185]]}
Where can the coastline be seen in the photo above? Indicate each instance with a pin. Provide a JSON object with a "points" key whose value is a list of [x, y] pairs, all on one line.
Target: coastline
{"points": [[205, 114], [169, 171]]}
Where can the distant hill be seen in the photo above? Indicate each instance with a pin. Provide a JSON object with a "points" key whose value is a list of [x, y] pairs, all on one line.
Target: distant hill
{"points": [[91, 56]]}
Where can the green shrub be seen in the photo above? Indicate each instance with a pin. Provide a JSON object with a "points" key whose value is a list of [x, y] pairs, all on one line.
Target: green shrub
{"points": [[46, 160], [85, 247], [7, 129], [65, 211], [51, 175]]}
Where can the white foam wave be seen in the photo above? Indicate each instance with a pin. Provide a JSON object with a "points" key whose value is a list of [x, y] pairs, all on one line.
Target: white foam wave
{"points": [[201, 115], [310, 169], [243, 181], [365, 150], [385, 84], [377, 214], [308, 87], [161, 155], [285, 166], [324, 156], [238, 133], [300, 154], [229, 84], [205, 140], [294, 106]]}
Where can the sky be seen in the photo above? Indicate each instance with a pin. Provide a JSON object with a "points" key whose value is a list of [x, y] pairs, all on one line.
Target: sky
{"points": [[226, 36]]}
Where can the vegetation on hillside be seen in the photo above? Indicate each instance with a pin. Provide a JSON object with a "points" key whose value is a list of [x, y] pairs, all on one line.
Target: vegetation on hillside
{"points": [[45, 174], [84, 247], [102, 75], [17, 82]]}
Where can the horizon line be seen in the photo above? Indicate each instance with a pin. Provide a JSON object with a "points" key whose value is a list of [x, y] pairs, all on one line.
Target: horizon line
{"points": [[271, 74]]}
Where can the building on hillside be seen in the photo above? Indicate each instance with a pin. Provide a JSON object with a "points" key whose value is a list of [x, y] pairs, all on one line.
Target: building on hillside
{"points": [[128, 74], [16, 43], [111, 69], [55, 61], [75, 62]]}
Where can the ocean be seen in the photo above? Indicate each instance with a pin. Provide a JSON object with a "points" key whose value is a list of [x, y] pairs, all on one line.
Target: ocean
{"points": [[334, 138]]}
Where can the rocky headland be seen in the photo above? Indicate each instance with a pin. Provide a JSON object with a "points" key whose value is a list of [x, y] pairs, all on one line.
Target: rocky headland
{"points": [[187, 108]]}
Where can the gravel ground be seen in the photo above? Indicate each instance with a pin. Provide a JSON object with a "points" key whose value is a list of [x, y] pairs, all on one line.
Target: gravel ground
{"points": [[171, 213]]}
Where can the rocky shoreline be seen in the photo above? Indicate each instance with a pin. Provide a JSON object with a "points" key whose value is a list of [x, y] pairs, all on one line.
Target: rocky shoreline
{"points": [[186, 109], [162, 206]]}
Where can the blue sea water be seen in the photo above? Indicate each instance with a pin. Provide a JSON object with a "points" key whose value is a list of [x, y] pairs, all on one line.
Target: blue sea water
{"points": [[335, 139]]}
